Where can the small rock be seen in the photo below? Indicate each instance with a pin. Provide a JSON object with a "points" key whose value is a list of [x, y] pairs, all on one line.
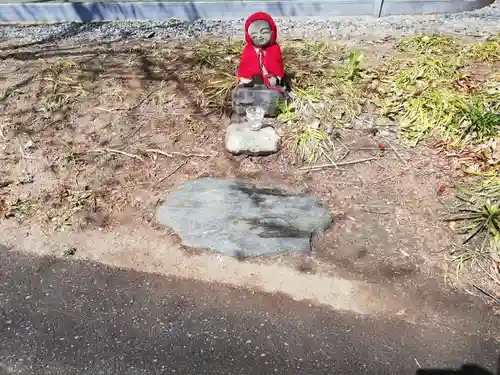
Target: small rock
{"points": [[29, 146], [69, 252], [387, 133], [314, 124], [384, 121], [240, 139]]}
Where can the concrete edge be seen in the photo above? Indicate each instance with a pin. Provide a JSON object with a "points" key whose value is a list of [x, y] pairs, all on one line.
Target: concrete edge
{"points": [[223, 10]]}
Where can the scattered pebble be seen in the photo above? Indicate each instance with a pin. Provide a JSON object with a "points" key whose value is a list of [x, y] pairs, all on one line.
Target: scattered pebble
{"points": [[69, 252]]}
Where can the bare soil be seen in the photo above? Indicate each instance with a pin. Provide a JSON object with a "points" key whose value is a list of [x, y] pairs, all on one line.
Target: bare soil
{"points": [[93, 138]]}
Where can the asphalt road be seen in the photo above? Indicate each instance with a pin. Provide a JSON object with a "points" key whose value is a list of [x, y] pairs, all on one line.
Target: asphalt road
{"points": [[70, 317]]}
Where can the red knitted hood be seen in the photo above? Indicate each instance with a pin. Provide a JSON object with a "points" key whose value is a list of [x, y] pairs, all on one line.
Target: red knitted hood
{"points": [[261, 16]]}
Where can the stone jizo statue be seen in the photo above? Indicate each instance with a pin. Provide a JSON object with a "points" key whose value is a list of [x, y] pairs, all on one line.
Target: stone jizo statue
{"points": [[260, 72]]}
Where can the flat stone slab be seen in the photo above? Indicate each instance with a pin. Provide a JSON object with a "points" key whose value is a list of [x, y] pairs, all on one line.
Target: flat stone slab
{"points": [[241, 139], [236, 218]]}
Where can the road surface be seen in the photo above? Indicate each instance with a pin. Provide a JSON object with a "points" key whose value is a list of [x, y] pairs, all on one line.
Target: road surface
{"points": [[62, 316]]}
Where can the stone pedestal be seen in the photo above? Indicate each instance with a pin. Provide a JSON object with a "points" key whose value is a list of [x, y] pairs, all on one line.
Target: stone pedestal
{"points": [[257, 95], [240, 139]]}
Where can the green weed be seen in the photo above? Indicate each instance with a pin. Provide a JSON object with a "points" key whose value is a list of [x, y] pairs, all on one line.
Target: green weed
{"points": [[479, 216], [353, 69]]}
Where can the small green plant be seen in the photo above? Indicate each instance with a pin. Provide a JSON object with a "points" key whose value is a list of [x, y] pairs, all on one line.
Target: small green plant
{"points": [[480, 219], [310, 95], [479, 216], [480, 123], [286, 112], [354, 62], [352, 71]]}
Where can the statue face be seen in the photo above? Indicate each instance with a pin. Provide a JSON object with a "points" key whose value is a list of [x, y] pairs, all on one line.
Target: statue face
{"points": [[260, 32]]}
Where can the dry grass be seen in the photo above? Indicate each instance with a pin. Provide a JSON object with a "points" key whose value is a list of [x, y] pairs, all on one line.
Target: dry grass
{"points": [[440, 96]]}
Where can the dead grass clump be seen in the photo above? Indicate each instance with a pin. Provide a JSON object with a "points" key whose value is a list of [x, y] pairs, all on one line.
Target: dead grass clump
{"points": [[211, 70], [310, 63], [309, 144], [69, 207], [426, 96], [487, 51], [217, 91], [429, 45], [61, 84], [312, 53], [19, 209], [216, 54], [320, 102]]}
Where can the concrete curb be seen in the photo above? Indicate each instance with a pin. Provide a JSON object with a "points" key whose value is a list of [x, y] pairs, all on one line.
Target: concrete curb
{"points": [[221, 10]]}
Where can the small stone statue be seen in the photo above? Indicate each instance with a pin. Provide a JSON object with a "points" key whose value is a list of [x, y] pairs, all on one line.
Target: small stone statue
{"points": [[262, 55], [261, 72]]}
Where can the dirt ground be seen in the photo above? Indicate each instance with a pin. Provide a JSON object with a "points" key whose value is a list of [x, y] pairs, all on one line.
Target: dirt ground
{"points": [[93, 138]]}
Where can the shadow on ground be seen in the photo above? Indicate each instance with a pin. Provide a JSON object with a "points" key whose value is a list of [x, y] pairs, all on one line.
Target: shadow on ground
{"points": [[468, 369], [76, 317]]}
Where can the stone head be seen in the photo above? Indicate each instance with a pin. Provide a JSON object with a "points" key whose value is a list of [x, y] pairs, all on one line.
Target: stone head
{"points": [[260, 32]]}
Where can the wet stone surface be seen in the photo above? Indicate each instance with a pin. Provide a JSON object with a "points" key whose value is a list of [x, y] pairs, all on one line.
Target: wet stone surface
{"points": [[240, 219]]}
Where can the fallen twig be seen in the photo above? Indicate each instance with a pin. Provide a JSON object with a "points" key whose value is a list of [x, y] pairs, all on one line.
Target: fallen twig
{"points": [[496, 300], [396, 152], [141, 101], [49, 125], [388, 178], [127, 108], [6, 183], [418, 364], [329, 165], [113, 151], [172, 172], [489, 274], [26, 156], [109, 109], [173, 153]]}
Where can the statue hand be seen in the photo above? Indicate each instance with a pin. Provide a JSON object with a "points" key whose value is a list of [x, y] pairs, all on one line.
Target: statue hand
{"points": [[273, 81]]}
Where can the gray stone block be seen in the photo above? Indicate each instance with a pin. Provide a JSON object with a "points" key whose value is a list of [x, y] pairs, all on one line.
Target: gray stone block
{"points": [[258, 95], [241, 139], [236, 218]]}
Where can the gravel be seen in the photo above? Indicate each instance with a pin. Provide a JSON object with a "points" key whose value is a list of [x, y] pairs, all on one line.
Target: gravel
{"points": [[482, 22]]}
